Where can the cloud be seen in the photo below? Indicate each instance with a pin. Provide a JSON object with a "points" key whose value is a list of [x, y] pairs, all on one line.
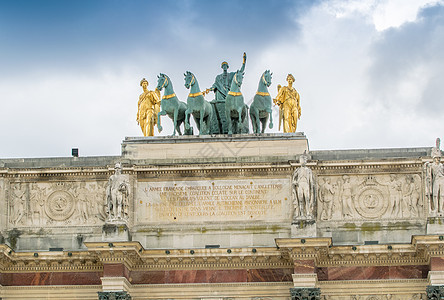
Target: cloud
{"points": [[362, 85], [407, 64], [383, 14]]}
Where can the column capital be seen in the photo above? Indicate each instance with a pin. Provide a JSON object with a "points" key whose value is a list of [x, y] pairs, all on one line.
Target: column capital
{"points": [[305, 293], [435, 292], [114, 295]]}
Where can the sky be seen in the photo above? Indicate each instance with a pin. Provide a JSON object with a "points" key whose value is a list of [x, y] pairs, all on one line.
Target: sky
{"points": [[370, 73]]}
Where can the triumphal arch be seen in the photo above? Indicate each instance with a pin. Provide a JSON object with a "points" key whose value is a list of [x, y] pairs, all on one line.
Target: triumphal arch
{"points": [[224, 211]]}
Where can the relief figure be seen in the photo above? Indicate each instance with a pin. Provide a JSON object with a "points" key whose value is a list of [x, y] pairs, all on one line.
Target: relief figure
{"points": [[83, 205], [36, 205], [326, 194], [17, 204], [395, 195], [407, 192], [97, 205], [347, 197]]}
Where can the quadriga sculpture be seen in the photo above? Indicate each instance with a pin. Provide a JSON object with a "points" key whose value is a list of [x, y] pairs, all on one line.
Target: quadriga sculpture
{"points": [[260, 109], [170, 104], [235, 108], [197, 106]]}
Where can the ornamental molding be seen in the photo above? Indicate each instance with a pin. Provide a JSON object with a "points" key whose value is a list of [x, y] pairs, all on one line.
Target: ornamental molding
{"points": [[216, 285], [289, 251], [55, 287], [374, 281], [52, 261], [136, 258], [324, 254], [318, 167]]}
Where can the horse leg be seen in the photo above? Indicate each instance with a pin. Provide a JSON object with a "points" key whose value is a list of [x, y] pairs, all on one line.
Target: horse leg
{"points": [[187, 119], [239, 121], [270, 113], [209, 118], [228, 116], [161, 113], [203, 127], [264, 123], [176, 113], [257, 127], [252, 118], [178, 128]]}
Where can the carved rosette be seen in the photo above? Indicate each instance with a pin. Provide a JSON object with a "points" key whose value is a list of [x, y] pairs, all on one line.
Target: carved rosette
{"points": [[60, 205], [370, 203], [305, 293]]}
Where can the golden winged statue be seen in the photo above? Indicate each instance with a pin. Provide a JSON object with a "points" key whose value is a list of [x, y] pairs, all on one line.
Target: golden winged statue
{"points": [[289, 105]]}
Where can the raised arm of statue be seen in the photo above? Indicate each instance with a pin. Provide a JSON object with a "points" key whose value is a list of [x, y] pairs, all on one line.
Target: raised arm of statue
{"points": [[242, 69]]}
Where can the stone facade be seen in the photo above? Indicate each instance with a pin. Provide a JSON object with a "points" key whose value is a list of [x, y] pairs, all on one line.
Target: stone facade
{"points": [[220, 218]]}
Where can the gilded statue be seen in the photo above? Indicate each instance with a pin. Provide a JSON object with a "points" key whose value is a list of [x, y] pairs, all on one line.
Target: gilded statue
{"points": [[148, 108], [435, 182], [289, 105]]}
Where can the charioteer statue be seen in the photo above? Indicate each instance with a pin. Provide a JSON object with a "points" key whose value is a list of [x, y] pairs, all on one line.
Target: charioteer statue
{"points": [[222, 83], [221, 88]]}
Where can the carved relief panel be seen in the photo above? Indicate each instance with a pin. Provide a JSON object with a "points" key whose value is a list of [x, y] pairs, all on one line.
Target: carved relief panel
{"points": [[370, 197], [35, 204]]}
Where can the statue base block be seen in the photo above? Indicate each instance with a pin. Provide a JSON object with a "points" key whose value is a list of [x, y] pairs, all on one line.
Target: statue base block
{"points": [[435, 225], [303, 228], [115, 232]]}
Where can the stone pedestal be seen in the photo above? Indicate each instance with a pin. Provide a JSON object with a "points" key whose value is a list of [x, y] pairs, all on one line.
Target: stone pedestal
{"points": [[115, 232], [303, 228], [435, 225], [435, 277], [217, 147]]}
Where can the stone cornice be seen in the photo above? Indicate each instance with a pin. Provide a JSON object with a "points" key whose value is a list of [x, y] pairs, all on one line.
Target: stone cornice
{"points": [[325, 254], [220, 258], [127, 253], [47, 261], [319, 167], [135, 258]]}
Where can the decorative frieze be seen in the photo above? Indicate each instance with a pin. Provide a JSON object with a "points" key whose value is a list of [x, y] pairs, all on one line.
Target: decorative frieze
{"points": [[370, 197], [55, 204]]}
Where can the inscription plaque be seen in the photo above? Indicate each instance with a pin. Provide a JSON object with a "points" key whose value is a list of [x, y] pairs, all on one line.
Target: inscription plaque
{"points": [[213, 200]]}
